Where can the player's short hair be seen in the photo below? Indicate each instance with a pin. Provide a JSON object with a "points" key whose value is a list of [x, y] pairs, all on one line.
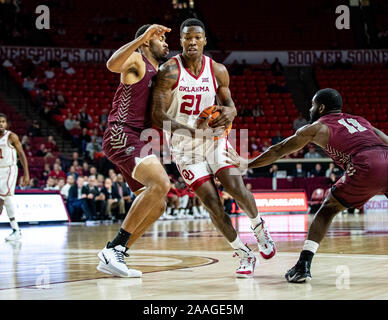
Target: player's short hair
{"points": [[192, 22], [142, 30], [2, 115], [331, 98]]}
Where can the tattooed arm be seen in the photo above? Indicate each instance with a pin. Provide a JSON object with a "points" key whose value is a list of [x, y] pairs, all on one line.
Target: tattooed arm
{"points": [[227, 107], [161, 100]]}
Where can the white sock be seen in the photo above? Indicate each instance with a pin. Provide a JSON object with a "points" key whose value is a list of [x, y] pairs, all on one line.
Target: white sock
{"points": [[168, 211], [10, 207], [311, 246], [255, 221], [238, 244], [14, 224]]}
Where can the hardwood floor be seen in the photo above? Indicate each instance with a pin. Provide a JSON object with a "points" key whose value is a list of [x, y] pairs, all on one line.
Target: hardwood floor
{"points": [[190, 260]]}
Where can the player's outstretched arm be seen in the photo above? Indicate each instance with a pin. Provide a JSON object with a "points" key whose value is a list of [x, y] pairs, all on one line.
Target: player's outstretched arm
{"points": [[224, 97], [381, 135], [15, 142], [125, 58], [301, 138]]}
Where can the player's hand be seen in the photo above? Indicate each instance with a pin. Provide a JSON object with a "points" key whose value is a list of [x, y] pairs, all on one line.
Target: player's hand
{"points": [[25, 180], [235, 159], [226, 117], [154, 32], [210, 132]]}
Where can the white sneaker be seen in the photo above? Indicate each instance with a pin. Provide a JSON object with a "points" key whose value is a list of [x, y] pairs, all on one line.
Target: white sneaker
{"points": [[112, 262], [14, 236], [265, 243], [247, 263]]}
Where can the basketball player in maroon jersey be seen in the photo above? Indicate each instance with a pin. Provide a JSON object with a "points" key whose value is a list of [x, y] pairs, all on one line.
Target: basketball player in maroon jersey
{"points": [[137, 62], [194, 71], [354, 145]]}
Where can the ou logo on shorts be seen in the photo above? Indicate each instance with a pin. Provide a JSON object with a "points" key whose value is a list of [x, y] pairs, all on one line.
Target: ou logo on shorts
{"points": [[188, 174]]}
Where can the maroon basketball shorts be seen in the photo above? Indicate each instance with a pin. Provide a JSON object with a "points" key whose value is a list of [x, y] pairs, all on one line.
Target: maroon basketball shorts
{"points": [[370, 178], [122, 146]]}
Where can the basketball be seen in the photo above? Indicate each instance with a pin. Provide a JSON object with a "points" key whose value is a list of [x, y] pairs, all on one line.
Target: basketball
{"points": [[210, 112]]}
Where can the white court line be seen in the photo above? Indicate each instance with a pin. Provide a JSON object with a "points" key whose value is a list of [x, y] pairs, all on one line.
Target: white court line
{"points": [[209, 253]]}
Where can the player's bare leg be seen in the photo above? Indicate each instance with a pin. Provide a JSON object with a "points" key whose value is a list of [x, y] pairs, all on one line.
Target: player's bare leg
{"points": [[321, 223], [232, 181], [208, 195], [148, 206]]}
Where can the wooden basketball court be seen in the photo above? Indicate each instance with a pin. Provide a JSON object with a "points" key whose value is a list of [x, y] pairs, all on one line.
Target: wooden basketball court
{"points": [[190, 260]]}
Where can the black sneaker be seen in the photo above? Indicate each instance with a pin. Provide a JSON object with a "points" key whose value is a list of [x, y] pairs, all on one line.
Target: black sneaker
{"points": [[300, 273]]}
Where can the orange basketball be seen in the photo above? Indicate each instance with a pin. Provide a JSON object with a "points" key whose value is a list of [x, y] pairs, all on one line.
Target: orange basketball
{"points": [[210, 112]]}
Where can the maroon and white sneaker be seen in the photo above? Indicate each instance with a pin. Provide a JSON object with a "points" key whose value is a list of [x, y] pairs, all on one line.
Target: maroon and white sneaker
{"points": [[266, 245], [247, 263]]}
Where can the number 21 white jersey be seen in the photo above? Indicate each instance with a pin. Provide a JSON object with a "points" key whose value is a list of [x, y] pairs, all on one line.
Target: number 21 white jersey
{"points": [[192, 94]]}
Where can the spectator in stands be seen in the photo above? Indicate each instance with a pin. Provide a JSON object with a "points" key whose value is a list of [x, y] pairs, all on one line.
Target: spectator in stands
{"points": [[34, 129], [49, 73], [51, 184], [84, 118], [317, 171], [93, 149], [25, 140], [93, 171], [112, 175], [104, 115], [57, 172], [235, 68], [85, 169], [51, 144], [265, 146], [277, 68], [332, 169], [28, 150], [46, 171], [76, 203], [84, 139], [90, 192], [66, 188], [298, 171], [273, 171], [75, 133], [312, 153], [42, 152], [60, 101], [70, 122], [34, 184], [72, 172], [20, 186], [258, 110], [113, 200], [244, 111], [102, 126], [265, 65], [96, 136], [278, 138], [100, 199], [36, 59], [29, 84], [299, 122], [60, 184], [332, 179], [253, 146], [124, 191]]}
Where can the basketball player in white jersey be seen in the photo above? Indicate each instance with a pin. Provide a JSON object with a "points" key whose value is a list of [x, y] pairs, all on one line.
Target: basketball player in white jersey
{"points": [[186, 85], [10, 146]]}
